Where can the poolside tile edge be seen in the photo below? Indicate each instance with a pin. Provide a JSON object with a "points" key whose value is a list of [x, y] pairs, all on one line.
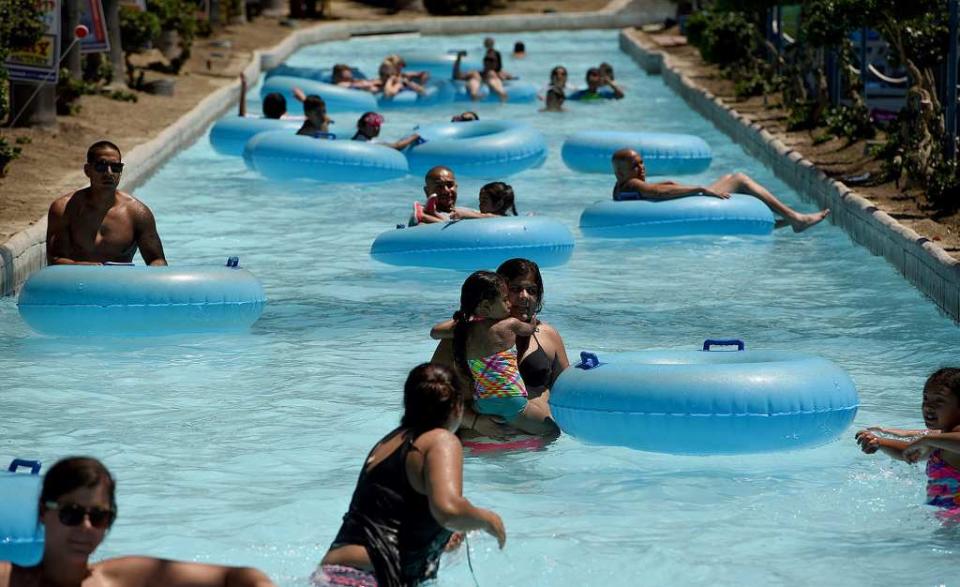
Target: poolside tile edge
{"points": [[25, 252], [921, 261]]}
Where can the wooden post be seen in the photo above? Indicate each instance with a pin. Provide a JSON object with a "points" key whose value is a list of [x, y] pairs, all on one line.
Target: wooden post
{"points": [[951, 95]]}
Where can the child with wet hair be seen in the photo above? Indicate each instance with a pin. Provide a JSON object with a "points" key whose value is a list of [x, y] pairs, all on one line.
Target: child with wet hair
{"points": [[939, 444], [497, 199]]}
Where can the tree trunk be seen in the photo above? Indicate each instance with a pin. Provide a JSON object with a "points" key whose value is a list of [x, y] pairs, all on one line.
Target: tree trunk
{"points": [[40, 111], [215, 13], [71, 18], [111, 12]]}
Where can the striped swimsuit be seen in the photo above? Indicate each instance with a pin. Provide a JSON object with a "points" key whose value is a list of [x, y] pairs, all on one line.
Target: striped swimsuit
{"points": [[497, 376]]}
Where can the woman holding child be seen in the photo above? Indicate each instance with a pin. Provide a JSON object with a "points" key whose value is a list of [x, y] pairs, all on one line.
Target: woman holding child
{"points": [[541, 355]]}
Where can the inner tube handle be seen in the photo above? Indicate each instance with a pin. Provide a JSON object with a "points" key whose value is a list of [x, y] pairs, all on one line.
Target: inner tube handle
{"points": [[723, 342], [588, 361], [17, 463]]}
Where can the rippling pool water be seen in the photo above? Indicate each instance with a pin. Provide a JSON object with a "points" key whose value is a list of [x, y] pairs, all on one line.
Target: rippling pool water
{"points": [[245, 449]]}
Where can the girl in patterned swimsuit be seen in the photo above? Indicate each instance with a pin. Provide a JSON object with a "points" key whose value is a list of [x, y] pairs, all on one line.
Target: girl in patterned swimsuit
{"points": [[484, 341], [939, 445]]}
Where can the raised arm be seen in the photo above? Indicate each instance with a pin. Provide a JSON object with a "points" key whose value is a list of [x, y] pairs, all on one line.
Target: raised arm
{"points": [[148, 241], [457, 74], [617, 90], [243, 95], [443, 481], [443, 330], [154, 572]]}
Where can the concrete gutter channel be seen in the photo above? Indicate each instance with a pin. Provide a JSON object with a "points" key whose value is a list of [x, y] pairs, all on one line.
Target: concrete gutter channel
{"points": [[921, 261], [924, 263]]}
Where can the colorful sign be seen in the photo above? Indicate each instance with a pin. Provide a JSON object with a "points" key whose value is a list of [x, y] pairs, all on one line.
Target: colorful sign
{"points": [[40, 63], [91, 15]]}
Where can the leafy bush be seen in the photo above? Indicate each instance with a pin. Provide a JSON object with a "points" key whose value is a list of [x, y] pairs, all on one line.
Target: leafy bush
{"points": [[21, 25], [138, 30], [460, 7], [7, 154], [725, 38], [850, 122]]}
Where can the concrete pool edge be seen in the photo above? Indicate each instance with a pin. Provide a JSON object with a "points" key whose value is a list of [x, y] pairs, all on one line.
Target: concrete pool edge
{"points": [[25, 252], [921, 261]]}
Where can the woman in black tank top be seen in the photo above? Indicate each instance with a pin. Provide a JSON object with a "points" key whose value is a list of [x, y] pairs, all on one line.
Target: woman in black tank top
{"points": [[393, 534]]}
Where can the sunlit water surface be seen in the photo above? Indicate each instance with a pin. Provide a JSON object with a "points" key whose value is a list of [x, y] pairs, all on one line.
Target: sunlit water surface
{"points": [[244, 449]]}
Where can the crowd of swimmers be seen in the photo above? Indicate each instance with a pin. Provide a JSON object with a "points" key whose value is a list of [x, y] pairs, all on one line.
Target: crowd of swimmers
{"points": [[394, 78]]}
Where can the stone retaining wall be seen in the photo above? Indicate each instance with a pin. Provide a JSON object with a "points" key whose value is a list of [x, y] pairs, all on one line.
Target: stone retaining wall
{"points": [[25, 252], [925, 264]]}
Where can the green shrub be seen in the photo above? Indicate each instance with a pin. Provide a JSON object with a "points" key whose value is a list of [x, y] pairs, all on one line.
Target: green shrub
{"points": [[850, 122], [725, 38], [458, 7]]}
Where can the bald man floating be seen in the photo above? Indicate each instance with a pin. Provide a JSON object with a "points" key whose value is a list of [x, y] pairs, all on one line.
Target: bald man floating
{"points": [[632, 184]]}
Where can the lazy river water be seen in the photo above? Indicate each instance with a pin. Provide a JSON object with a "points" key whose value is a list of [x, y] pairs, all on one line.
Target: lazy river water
{"points": [[244, 449]]}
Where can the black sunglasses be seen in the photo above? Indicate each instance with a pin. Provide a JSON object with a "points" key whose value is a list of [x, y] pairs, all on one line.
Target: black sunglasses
{"points": [[101, 166], [71, 514]]}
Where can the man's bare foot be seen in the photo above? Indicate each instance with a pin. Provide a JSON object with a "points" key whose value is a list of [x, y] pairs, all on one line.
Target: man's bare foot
{"points": [[805, 221]]}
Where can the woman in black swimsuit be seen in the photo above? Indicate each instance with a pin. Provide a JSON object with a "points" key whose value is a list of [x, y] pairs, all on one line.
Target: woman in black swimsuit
{"points": [[409, 497], [542, 356]]}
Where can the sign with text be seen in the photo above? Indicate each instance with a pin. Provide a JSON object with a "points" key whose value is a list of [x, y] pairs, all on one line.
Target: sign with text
{"points": [[39, 63], [91, 16]]}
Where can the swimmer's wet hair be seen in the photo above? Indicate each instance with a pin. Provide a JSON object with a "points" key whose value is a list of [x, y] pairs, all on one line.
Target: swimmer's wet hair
{"points": [[313, 102], [591, 71], [513, 269], [274, 105], [557, 69], [502, 198], [947, 378], [480, 286], [606, 68], [338, 70], [74, 473], [101, 146], [431, 394]]}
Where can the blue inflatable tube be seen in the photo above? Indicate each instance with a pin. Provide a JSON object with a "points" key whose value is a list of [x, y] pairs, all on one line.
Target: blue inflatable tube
{"points": [[692, 215], [437, 92], [21, 533], [229, 135], [338, 99], [284, 156], [317, 74], [479, 148], [663, 153], [476, 244], [705, 403], [517, 91], [440, 65], [84, 300]]}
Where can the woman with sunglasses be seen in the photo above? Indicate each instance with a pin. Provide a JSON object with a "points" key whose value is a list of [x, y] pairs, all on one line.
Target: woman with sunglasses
{"points": [[77, 508], [541, 357], [409, 497]]}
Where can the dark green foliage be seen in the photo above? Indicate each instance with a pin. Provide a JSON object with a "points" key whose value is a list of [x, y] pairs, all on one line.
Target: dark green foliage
{"points": [[21, 25], [462, 7], [725, 38], [850, 122], [138, 30], [7, 154]]}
